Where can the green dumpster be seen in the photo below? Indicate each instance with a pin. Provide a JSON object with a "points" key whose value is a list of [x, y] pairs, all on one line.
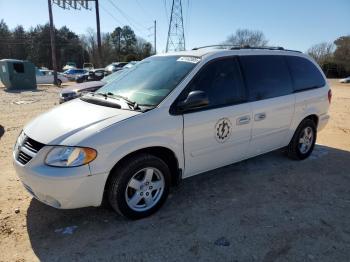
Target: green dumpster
{"points": [[17, 74]]}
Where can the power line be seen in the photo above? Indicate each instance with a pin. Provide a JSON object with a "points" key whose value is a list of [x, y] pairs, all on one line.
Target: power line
{"points": [[166, 9], [142, 8], [135, 27], [128, 18], [188, 16], [110, 14]]}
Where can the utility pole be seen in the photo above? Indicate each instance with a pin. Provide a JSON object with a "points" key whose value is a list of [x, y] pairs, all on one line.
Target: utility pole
{"points": [[53, 44], [176, 33], [77, 5], [155, 37], [98, 32], [119, 49]]}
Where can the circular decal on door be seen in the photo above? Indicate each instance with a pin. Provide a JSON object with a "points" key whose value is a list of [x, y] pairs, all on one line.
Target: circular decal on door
{"points": [[223, 130]]}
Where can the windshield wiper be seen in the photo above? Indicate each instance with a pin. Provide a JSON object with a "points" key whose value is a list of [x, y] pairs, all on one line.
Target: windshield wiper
{"points": [[97, 101], [132, 104]]}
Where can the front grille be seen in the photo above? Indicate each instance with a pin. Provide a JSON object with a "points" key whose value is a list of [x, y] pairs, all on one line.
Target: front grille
{"points": [[32, 145], [28, 149], [23, 158]]}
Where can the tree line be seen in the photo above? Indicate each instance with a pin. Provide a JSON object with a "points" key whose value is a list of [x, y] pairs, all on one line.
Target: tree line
{"points": [[124, 45], [34, 45], [333, 58]]}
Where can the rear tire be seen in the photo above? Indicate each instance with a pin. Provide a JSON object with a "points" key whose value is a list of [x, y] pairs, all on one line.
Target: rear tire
{"points": [[303, 141], [59, 82], [139, 186]]}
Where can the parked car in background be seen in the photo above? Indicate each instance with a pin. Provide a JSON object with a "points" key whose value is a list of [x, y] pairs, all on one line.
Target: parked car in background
{"points": [[92, 75], [130, 64], [88, 66], [72, 74], [116, 66], [69, 65], [345, 80], [46, 77], [80, 89]]}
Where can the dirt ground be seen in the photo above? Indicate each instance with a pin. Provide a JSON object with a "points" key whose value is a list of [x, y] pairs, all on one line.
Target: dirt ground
{"points": [[268, 208]]}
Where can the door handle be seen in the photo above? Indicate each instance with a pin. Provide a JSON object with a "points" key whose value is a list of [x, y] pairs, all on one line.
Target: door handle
{"points": [[243, 120], [260, 116]]}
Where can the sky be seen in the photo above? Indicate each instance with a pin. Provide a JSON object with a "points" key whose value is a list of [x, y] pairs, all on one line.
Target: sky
{"points": [[293, 24]]}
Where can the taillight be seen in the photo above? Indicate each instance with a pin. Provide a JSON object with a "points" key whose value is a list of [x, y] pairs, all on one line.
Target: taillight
{"points": [[329, 95]]}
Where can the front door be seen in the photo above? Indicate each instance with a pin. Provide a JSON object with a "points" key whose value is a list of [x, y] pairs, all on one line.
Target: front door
{"points": [[218, 134]]}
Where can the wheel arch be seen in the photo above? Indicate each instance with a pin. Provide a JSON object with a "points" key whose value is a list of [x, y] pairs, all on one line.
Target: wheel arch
{"points": [[296, 123], [164, 153], [312, 117]]}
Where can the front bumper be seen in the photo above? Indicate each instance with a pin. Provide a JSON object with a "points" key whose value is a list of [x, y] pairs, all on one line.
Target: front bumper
{"points": [[63, 188]]}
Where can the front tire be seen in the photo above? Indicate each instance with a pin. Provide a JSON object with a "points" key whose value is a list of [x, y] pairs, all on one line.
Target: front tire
{"points": [[303, 141], [139, 186], [59, 82]]}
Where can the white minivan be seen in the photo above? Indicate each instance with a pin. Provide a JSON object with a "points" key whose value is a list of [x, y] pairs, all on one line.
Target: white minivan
{"points": [[170, 117]]}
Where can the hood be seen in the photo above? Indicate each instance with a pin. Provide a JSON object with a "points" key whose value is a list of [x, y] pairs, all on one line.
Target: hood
{"points": [[82, 86], [73, 117]]}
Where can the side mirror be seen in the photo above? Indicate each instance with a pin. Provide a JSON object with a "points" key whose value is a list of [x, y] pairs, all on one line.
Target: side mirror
{"points": [[194, 100]]}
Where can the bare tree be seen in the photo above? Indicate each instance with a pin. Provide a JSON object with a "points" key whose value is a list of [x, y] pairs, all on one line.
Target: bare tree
{"points": [[142, 48], [89, 42], [246, 37], [322, 53]]}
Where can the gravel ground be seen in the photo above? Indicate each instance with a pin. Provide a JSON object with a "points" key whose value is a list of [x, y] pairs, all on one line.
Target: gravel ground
{"points": [[268, 208]]}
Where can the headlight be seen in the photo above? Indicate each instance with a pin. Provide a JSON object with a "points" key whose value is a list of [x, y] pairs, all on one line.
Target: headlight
{"points": [[69, 156], [19, 141]]}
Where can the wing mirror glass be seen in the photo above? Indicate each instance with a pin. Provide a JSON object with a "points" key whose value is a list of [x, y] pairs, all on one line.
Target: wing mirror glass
{"points": [[194, 100]]}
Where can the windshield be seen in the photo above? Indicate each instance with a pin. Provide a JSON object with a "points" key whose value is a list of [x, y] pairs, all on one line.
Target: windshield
{"points": [[151, 80]]}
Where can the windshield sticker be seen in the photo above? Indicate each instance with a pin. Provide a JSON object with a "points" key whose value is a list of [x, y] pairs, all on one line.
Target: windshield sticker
{"points": [[189, 59]]}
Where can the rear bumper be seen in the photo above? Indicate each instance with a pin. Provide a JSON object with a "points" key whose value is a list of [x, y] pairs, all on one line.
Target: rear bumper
{"points": [[63, 188], [322, 122]]}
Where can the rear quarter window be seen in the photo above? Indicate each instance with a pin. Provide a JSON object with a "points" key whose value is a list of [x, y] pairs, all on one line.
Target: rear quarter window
{"points": [[305, 74], [18, 67], [266, 76]]}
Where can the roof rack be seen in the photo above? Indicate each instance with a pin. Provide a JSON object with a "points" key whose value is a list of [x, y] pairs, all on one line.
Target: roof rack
{"points": [[258, 47], [208, 46], [238, 47]]}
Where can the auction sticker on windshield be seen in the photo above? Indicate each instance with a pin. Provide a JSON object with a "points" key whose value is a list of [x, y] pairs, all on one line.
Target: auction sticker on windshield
{"points": [[189, 59]]}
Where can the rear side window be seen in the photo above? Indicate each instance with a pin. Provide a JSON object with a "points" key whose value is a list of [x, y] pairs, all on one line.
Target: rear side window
{"points": [[222, 82], [18, 67], [305, 74], [266, 76]]}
